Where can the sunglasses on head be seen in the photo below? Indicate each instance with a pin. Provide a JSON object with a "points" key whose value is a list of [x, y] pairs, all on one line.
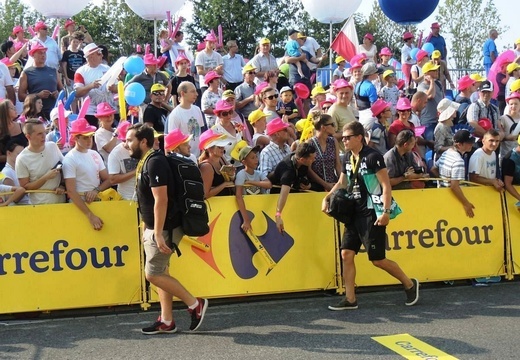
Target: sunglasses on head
{"points": [[158, 93], [271, 97], [226, 113]]}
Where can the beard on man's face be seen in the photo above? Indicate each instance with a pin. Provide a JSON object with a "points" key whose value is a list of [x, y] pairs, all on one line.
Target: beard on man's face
{"points": [[136, 153]]}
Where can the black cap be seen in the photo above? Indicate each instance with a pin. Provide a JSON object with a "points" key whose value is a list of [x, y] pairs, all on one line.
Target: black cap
{"points": [[486, 85], [463, 136], [292, 31]]}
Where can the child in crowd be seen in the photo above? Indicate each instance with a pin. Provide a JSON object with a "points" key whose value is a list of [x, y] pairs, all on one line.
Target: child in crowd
{"points": [[72, 59], [54, 134], [385, 54], [292, 48], [166, 45], [258, 120], [443, 134], [182, 63], [338, 72], [249, 181], [381, 110], [105, 136], [390, 92], [286, 105]]}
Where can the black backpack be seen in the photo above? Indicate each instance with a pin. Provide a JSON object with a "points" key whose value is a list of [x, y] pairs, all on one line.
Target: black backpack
{"points": [[189, 195]]}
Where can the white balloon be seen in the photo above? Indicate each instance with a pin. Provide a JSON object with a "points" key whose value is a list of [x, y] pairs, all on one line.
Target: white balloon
{"points": [[331, 11], [58, 9], [154, 9]]}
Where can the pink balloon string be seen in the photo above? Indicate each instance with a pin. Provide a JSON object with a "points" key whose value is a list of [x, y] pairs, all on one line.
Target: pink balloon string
{"points": [[147, 49], [31, 31]]}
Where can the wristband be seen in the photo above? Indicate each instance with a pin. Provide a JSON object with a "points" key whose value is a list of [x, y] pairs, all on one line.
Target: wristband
{"points": [[278, 214], [97, 189], [387, 211]]}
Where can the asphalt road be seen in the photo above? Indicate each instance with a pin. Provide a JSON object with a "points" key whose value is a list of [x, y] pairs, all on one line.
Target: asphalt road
{"points": [[463, 321]]}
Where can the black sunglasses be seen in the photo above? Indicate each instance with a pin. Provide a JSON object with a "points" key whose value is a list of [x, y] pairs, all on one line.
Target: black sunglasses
{"points": [[158, 93], [271, 97], [251, 73], [347, 137], [226, 113], [325, 108]]}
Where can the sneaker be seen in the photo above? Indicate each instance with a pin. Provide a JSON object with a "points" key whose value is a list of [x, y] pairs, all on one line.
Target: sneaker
{"points": [[412, 294], [344, 305], [159, 328], [197, 314]]}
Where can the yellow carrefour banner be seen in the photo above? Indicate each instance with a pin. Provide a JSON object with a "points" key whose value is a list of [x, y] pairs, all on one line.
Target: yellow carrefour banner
{"points": [[304, 256], [433, 239], [51, 257], [514, 229]]}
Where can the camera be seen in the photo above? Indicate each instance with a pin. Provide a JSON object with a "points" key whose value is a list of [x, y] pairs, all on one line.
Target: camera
{"points": [[419, 169]]}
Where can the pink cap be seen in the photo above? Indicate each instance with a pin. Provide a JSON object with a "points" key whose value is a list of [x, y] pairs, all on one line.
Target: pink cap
{"points": [[104, 109], [421, 54], [340, 84], [122, 129], [210, 37], [182, 57], [513, 95], [261, 87], [436, 25], [150, 59], [369, 36], [201, 46], [175, 138], [69, 22], [403, 104], [39, 25], [465, 82], [7, 62], [17, 29], [379, 106], [386, 51], [276, 125], [485, 124], [36, 47], [223, 105], [211, 75], [327, 101], [81, 127], [210, 138], [407, 35], [359, 58]]}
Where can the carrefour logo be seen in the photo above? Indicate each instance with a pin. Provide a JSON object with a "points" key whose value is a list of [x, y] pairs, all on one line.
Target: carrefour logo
{"points": [[59, 258]]}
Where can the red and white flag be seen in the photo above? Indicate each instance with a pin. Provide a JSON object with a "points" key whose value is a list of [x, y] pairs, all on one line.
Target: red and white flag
{"points": [[346, 43]]}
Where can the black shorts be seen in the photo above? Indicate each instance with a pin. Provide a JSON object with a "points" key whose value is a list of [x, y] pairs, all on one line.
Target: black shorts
{"points": [[363, 231]]}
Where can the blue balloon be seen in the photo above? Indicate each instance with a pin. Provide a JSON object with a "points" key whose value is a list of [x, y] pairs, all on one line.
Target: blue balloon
{"points": [[60, 97], [73, 117], [135, 94], [428, 47], [413, 53], [70, 99], [134, 65], [407, 12]]}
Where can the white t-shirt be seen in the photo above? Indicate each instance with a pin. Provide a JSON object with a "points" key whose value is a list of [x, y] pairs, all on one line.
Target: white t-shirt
{"points": [[9, 173], [86, 75], [5, 80], [84, 167], [189, 121], [34, 165], [120, 162], [483, 164], [244, 176], [405, 54], [312, 46], [210, 61], [102, 136]]}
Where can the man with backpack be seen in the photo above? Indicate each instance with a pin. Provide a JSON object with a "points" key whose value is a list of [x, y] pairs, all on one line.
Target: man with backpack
{"points": [[483, 109], [156, 196], [466, 87]]}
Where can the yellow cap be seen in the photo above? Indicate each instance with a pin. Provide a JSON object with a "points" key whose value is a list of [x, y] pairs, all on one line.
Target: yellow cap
{"points": [[301, 36], [517, 41], [318, 89], [436, 54], [249, 67], [339, 59], [477, 77], [429, 66], [157, 87], [264, 41], [388, 73], [512, 67], [256, 115], [515, 85]]}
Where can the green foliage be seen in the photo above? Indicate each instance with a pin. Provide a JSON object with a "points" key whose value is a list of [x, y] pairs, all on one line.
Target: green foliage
{"points": [[468, 23], [15, 12]]}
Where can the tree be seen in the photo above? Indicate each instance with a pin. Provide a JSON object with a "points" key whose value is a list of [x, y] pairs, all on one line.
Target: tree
{"points": [[245, 21], [468, 23], [15, 12]]}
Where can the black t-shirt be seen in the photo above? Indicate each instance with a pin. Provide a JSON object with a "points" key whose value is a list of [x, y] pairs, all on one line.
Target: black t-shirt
{"points": [[74, 61], [286, 173], [176, 80], [157, 116], [156, 172], [371, 161], [509, 167]]}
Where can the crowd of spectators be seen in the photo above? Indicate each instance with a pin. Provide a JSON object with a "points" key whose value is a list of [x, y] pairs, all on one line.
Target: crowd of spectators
{"points": [[252, 132]]}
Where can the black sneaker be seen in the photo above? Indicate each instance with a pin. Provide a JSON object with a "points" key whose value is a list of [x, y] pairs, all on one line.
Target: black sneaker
{"points": [[344, 305], [197, 314], [159, 328], [412, 294]]}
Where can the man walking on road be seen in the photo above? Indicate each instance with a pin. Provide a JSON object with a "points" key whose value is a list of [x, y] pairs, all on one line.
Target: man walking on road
{"points": [[155, 194], [365, 167]]}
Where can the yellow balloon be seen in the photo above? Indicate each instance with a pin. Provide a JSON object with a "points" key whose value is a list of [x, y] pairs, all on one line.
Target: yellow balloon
{"points": [[122, 103]]}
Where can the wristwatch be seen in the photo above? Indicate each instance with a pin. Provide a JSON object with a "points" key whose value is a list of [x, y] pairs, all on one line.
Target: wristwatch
{"points": [[387, 211]]}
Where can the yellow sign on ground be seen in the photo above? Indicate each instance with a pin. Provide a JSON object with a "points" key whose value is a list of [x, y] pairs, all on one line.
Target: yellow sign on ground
{"points": [[51, 257], [412, 348], [434, 240], [236, 264]]}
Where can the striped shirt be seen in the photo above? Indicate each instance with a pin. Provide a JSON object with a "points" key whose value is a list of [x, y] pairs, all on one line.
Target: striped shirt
{"points": [[271, 155], [451, 167]]}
